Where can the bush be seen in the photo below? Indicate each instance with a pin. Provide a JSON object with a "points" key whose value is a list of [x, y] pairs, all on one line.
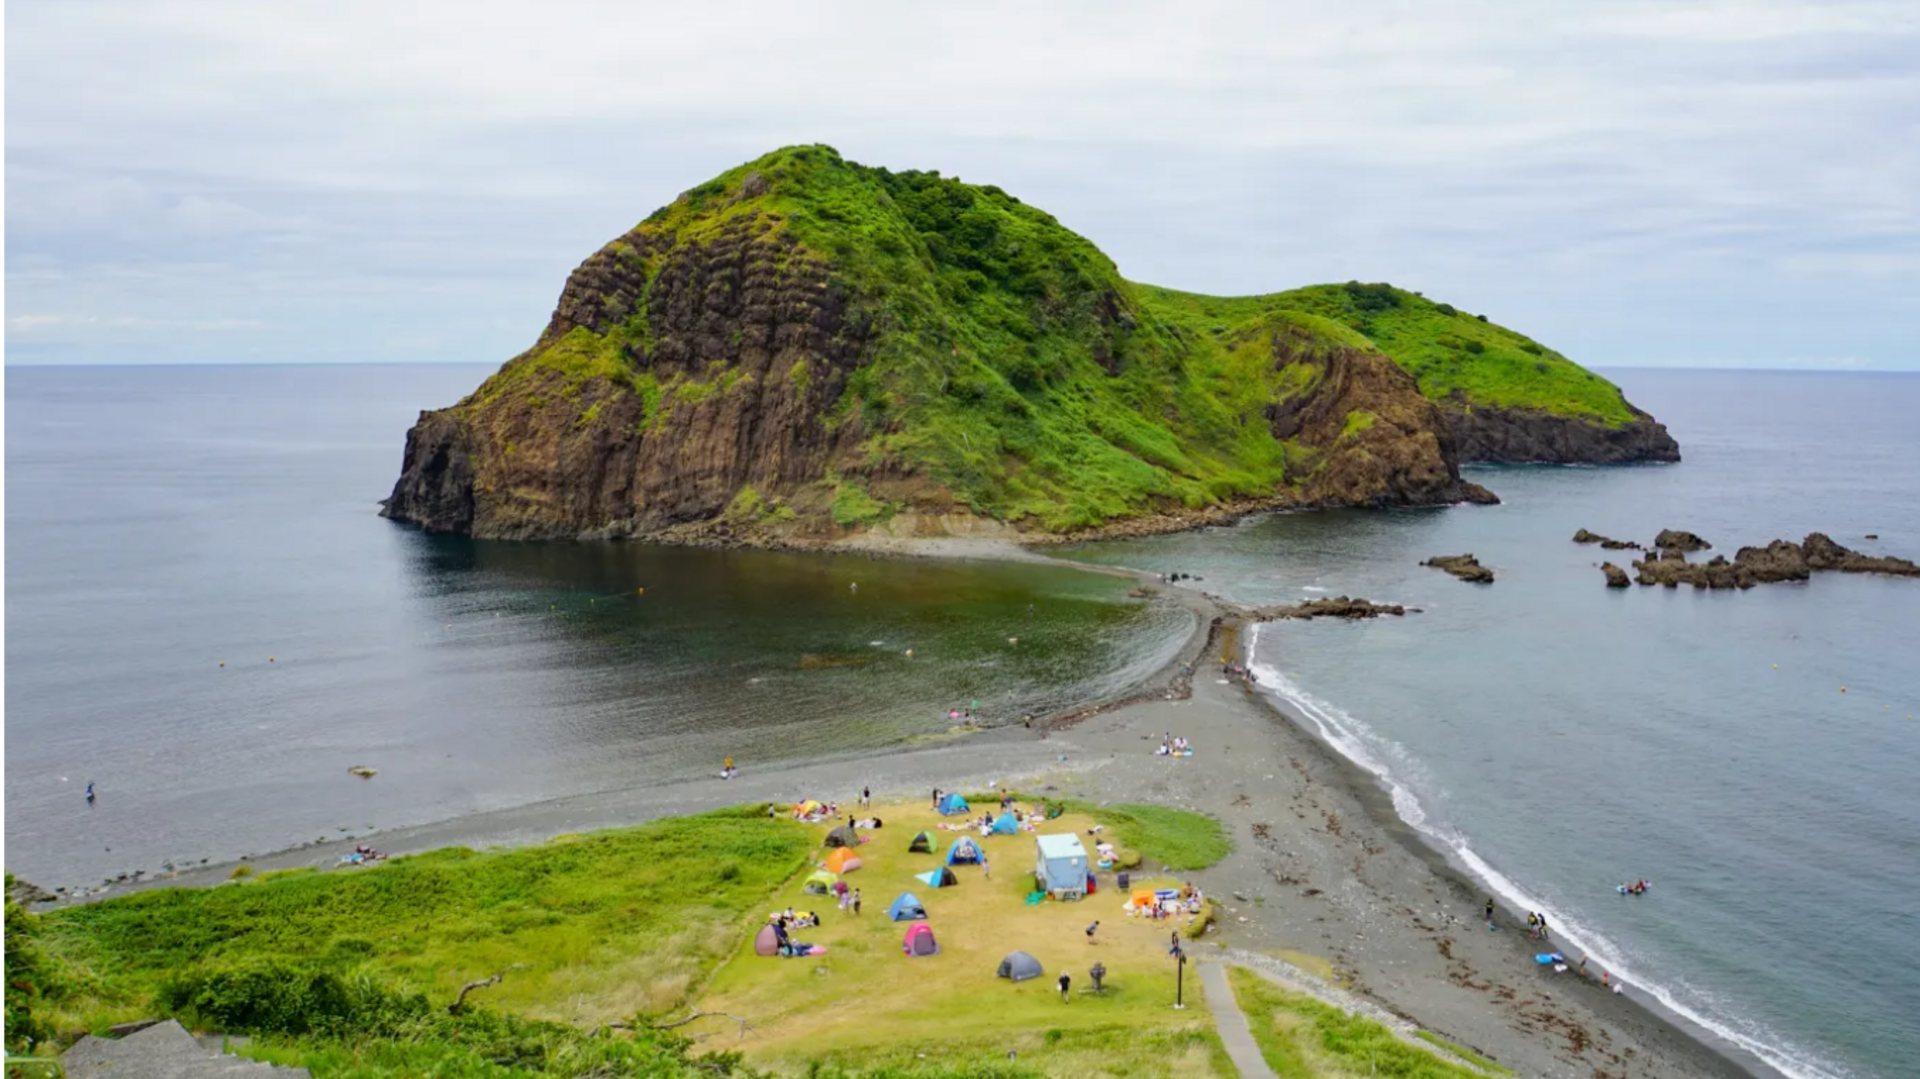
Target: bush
{"points": [[1475, 347], [280, 998], [31, 980], [1446, 309]]}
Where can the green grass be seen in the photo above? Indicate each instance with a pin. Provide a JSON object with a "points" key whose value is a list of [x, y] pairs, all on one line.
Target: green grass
{"points": [[1304, 1038], [1178, 839], [1012, 366], [597, 926]]}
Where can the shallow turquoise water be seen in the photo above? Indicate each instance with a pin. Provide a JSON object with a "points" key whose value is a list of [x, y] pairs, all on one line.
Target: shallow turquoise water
{"points": [[1560, 738]]}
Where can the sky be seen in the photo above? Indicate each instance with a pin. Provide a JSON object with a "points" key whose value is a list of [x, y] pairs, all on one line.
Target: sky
{"points": [[1633, 183]]}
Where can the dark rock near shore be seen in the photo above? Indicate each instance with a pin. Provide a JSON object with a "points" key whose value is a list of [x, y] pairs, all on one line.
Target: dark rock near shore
{"points": [[1781, 560], [1334, 607], [1616, 577], [1584, 536], [1525, 436], [1464, 566], [1673, 539], [1823, 553], [26, 893]]}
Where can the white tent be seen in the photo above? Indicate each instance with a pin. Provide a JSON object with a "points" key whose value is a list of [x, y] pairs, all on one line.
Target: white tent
{"points": [[1062, 866]]}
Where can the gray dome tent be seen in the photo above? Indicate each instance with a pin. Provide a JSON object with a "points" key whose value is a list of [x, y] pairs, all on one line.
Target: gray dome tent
{"points": [[1020, 966], [842, 837]]}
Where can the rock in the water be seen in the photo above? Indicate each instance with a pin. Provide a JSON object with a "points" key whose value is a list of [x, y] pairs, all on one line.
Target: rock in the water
{"points": [[26, 893], [1584, 536], [1673, 539], [1777, 561], [363, 771], [1530, 436], [1616, 577], [1334, 607], [1823, 553], [1669, 568], [1464, 566]]}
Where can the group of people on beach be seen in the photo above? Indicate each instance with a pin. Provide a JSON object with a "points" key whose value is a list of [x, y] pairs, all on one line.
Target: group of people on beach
{"points": [[1171, 746], [1241, 671]]}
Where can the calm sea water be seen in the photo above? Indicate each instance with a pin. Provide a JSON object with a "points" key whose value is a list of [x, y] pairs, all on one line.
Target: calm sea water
{"points": [[161, 522], [1560, 738]]}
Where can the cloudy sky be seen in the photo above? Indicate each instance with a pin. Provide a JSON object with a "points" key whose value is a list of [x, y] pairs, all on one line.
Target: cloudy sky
{"points": [[1636, 183]]}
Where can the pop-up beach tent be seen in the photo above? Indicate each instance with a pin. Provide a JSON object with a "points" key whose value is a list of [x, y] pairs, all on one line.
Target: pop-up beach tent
{"points": [[1020, 966], [963, 852], [842, 837], [766, 942], [820, 883], [1061, 866], [937, 878], [953, 804], [919, 940], [807, 808], [922, 844], [843, 861], [907, 908], [1006, 824]]}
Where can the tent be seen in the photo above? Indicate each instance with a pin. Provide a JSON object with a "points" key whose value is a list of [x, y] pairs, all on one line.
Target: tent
{"points": [[919, 941], [1020, 966], [767, 941], [937, 878], [907, 908], [922, 844], [820, 883], [1061, 866], [963, 852], [842, 837], [843, 860], [953, 804], [1007, 824]]}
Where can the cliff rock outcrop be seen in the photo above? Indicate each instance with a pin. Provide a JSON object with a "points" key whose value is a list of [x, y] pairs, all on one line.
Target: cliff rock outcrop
{"points": [[1517, 436], [1464, 566], [806, 348]]}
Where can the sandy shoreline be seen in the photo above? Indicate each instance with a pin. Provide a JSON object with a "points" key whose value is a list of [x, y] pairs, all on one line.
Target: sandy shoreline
{"points": [[1324, 873]]}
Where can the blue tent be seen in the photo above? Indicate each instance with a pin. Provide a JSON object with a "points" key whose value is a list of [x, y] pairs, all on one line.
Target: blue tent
{"points": [[1008, 824], [907, 909], [963, 852], [953, 805], [937, 878]]}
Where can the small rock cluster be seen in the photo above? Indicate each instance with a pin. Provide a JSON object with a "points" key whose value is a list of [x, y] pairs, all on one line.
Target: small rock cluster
{"points": [[1781, 560], [1464, 566]]}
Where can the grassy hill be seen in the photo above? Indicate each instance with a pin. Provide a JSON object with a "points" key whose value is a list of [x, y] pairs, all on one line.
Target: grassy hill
{"points": [[825, 339]]}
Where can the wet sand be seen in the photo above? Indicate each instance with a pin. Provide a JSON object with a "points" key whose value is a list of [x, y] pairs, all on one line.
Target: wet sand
{"points": [[1324, 875]]}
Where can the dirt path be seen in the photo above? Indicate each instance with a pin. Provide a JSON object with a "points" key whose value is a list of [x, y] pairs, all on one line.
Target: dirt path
{"points": [[1232, 1024]]}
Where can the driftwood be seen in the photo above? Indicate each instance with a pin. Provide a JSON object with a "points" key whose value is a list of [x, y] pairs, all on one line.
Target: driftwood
{"points": [[461, 1000]]}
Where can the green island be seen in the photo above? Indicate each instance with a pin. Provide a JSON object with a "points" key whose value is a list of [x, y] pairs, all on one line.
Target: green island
{"points": [[806, 348], [633, 953]]}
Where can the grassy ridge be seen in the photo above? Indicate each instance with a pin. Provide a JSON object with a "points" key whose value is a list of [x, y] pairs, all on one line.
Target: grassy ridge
{"points": [[597, 926], [1303, 1038], [1011, 364]]}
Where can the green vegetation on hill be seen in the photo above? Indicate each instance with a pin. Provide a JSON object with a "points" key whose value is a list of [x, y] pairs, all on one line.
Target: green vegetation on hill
{"points": [[1008, 362], [1303, 1038], [1456, 356]]}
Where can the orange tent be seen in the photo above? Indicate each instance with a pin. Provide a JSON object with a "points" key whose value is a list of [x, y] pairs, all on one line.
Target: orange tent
{"points": [[843, 860]]}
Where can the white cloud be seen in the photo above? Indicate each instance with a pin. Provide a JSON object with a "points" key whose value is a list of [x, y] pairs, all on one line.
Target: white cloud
{"points": [[1570, 167]]}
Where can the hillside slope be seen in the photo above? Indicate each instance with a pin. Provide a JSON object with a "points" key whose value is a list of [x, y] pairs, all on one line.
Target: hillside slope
{"points": [[805, 347]]}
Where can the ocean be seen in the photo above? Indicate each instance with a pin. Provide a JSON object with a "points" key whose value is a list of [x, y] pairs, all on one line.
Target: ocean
{"points": [[1555, 737], [1755, 755], [206, 618]]}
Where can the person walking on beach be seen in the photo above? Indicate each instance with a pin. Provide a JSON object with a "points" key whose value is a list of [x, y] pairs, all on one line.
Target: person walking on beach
{"points": [[1065, 981], [1543, 928], [1489, 912], [1533, 925], [89, 793], [866, 796], [1583, 967]]}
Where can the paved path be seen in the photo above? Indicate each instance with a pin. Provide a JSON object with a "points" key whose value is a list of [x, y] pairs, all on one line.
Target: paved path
{"points": [[1234, 1032]]}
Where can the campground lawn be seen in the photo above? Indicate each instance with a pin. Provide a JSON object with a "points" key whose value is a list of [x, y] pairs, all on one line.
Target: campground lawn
{"points": [[1304, 1038], [865, 1003]]}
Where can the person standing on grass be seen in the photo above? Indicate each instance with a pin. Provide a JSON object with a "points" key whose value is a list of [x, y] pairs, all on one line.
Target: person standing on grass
{"points": [[856, 902], [866, 796], [1065, 981], [1091, 930], [983, 866]]}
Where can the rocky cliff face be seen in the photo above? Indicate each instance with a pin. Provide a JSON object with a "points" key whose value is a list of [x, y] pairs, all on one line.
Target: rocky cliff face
{"points": [[806, 348], [1522, 436], [753, 349]]}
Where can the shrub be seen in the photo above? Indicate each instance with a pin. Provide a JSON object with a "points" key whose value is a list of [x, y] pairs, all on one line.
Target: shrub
{"points": [[280, 998], [1446, 309], [1475, 347]]}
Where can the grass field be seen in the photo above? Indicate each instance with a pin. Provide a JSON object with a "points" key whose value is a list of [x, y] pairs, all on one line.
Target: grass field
{"points": [[866, 1002], [596, 927], [1303, 1038]]}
